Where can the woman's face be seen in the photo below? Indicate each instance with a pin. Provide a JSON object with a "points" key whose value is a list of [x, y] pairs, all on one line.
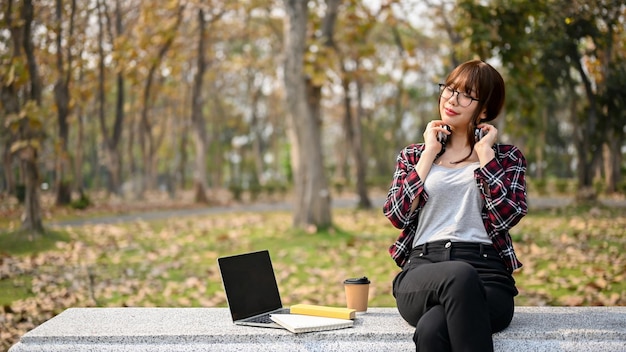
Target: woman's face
{"points": [[456, 106]]}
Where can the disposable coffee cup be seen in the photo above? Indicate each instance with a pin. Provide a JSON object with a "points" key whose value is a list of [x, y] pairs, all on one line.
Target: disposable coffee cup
{"points": [[357, 292]]}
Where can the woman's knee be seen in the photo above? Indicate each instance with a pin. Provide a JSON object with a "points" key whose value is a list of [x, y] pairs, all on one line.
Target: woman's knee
{"points": [[431, 331]]}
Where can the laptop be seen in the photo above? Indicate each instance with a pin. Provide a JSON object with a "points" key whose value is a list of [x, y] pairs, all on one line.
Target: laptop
{"points": [[251, 289]]}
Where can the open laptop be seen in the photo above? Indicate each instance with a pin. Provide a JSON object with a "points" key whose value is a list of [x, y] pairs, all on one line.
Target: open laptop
{"points": [[251, 289]]}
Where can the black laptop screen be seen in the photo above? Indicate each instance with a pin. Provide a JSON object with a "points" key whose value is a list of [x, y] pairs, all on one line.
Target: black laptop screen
{"points": [[250, 284]]}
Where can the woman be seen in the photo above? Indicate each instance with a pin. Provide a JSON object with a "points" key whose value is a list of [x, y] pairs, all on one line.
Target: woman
{"points": [[455, 199]]}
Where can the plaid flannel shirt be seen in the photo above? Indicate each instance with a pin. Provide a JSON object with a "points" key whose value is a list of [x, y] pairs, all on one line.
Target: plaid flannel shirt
{"points": [[502, 186]]}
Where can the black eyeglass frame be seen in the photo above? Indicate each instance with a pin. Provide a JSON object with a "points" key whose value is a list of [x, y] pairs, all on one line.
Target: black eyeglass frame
{"points": [[443, 86]]}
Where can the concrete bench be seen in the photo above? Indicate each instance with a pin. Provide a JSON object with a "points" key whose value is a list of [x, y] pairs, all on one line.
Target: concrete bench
{"points": [[380, 329]]}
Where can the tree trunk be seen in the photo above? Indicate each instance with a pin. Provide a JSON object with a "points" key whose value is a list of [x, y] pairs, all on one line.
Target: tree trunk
{"points": [[352, 129], [79, 156], [360, 158], [312, 197], [257, 151], [62, 100], [32, 205], [613, 122], [28, 14], [590, 148], [146, 138], [541, 143], [585, 190], [217, 157], [26, 137], [352, 120], [197, 118], [613, 153], [111, 140], [32, 210], [7, 167], [9, 101], [115, 159]]}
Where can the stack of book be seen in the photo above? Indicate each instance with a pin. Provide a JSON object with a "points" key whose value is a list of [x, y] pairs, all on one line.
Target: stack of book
{"points": [[308, 318]]}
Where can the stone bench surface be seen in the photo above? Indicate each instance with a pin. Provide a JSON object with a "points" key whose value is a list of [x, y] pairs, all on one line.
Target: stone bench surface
{"points": [[380, 329]]}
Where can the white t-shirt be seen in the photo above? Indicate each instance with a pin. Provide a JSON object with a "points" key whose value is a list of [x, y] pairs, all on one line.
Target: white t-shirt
{"points": [[453, 209]]}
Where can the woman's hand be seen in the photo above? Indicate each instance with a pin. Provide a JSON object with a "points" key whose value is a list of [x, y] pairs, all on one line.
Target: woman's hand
{"points": [[432, 147], [484, 146], [430, 136]]}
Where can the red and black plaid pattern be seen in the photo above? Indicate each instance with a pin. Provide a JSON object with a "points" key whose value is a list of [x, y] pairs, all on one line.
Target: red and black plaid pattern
{"points": [[501, 182]]}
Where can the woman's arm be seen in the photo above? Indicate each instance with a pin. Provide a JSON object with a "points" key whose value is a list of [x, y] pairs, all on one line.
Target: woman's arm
{"points": [[406, 193], [503, 186]]}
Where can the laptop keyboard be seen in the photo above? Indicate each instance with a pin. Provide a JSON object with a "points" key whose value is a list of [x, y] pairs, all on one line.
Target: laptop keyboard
{"points": [[263, 319]]}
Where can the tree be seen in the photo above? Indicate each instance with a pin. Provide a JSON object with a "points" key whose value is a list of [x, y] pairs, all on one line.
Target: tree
{"points": [[593, 64], [23, 117], [197, 117], [62, 98], [350, 53], [572, 47], [112, 138], [312, 196], [147, 139]]}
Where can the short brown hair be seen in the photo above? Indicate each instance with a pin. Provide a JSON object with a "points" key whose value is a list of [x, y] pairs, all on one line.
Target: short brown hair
{"points": [[481, 78]]}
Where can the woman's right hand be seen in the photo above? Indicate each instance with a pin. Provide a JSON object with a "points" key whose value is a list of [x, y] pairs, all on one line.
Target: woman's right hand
{"points": [[433, 128], [432, 147]]}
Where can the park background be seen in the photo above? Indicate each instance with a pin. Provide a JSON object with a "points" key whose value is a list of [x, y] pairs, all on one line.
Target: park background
{"points": [[110, 108]]}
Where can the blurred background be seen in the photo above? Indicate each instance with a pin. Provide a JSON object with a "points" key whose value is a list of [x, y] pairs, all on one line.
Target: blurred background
{"points": [[246, 112], [124, 97]]}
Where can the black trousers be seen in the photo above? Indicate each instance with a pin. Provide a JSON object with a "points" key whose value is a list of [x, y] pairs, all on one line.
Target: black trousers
{"points": [[456, 294]]}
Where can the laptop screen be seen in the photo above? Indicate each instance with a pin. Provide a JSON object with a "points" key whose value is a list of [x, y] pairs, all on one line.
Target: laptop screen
{"points": [[250, 284]]}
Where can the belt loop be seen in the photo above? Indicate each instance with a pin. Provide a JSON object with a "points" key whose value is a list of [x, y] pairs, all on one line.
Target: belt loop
{"points": [[482, 250], [425, 250]]}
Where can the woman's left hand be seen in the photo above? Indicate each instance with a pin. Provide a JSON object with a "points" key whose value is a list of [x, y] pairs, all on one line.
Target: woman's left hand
{"points": [[483, 146], [490, 135]]}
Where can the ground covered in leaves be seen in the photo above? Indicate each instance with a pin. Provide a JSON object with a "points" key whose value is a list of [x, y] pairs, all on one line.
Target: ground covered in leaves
{"points": [[571, 256]]}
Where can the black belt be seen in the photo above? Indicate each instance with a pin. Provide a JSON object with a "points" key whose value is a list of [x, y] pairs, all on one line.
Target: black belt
{"points": [[446, 244]]}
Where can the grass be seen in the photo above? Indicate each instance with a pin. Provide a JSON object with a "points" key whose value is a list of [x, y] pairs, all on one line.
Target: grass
{"points": [[13, 290], [572, 256], [25, 243], [175, 253]]}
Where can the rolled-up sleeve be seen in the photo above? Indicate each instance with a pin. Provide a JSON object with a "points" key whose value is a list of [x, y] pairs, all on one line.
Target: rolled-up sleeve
{"points": [[503, 185], [406, 186]]}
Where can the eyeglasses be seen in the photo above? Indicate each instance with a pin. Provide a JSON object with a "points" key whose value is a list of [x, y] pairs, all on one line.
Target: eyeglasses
{"points": [[463, 99]]}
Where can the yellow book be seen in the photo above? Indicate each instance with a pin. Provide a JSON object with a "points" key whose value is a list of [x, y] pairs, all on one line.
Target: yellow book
{"points": [[323, 311]]}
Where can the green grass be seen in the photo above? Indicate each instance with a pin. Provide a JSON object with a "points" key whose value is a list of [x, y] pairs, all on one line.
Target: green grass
{"points": [[163, 258], [14, 287], [571, 256], [13, 290], [21, 242]]}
